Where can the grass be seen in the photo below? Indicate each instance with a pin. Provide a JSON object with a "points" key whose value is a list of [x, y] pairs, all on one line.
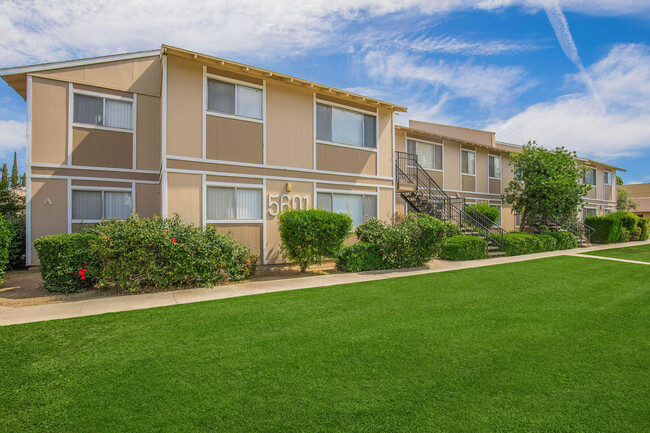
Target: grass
{"points": [[555, 344], [640, 253]]}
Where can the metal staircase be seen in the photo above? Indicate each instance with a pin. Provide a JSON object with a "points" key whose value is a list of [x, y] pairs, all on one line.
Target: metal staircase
{"points": [[577, 228], [424, 195]]}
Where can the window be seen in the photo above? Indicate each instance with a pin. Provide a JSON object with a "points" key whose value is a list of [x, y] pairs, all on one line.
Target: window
{"points": [[494, 166], [590, 176], [235, 99], [97, 205], [228, 203], [359, 206], [429, 154], [608, 178], [588, 212], [341, 126], [468, 162], [94, 110]]}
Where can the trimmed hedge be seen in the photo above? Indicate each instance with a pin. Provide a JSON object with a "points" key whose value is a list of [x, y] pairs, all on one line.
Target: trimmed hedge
{"points": [[644, 224], [308, 236], [517, 244], [563, 240], [362, 256], [624, 236], [6, 235], [546, 242], [463, 248], [607, 228], [628, 220], [451, 229], [137, 253], [67, 262]]}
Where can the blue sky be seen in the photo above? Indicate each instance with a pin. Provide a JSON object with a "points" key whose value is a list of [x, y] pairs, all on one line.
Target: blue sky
{"points": [[564, 73]]}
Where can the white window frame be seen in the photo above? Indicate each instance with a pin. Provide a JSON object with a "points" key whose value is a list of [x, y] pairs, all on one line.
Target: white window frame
{"points": [[234, 186], [417, 140], [208, 112], [595, 208], [348, 192], [104, 97], [610, 178], [101, 189], [500, 169], [461, 163], [348, 108]]}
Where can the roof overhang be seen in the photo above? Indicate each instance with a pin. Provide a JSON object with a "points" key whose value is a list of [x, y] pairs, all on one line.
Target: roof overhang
{"points": [[266, 74], [423, 133]]}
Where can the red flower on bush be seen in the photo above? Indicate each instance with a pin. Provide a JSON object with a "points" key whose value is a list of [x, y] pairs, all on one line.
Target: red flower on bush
{"points": [[174, 240], [82, 272]]}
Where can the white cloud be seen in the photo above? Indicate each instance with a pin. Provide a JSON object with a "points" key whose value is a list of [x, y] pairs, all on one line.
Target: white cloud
{"points": [[12, 138], [486, 84], [39, 30], [576, 121], [453, 45]]}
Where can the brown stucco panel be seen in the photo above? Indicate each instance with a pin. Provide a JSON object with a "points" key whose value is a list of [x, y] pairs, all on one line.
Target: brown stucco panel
{"points": [[234, 140], [49, 209], [184, 107], [344, 159], [148, 143], [49, 121], [101, 148]]}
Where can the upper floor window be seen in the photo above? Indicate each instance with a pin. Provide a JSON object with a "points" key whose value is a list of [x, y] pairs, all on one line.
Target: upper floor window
{"points": [[233, 203], [429, 154], [95, 110], [338, 125], [468, 162], [234, 99], [608, 178], [590, 176], [359, 206], [98, 204], [494, 166]]}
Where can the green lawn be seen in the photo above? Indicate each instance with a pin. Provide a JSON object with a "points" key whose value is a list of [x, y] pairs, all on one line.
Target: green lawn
{"points": [[555, 344], [639, 253]]}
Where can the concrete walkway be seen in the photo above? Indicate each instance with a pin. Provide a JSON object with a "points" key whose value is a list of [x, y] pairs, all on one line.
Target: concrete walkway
{"points": [[37, 313]]}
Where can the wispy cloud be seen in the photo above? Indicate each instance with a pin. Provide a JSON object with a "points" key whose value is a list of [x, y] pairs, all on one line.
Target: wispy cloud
{"points": [[452, 45], [622, 79]]}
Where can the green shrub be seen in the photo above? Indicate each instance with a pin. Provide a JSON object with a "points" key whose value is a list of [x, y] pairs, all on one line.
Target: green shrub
{"points": [[17, 245], [517, 244], [463, 248], [644, 223], [451, 229], [165, 253], [67, 262], [628, 220], [563, 240], [636, 234], [624, 236], [309, 236], [412, 241], [370, 231], [490, 212], [6, 235], [362, 256], [607, 228], [546, 242]]}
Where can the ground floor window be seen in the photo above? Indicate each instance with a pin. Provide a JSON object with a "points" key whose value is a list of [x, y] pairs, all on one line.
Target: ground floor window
{"points": [[359, 206], [233, 203], [92, 205], [588, 212]]}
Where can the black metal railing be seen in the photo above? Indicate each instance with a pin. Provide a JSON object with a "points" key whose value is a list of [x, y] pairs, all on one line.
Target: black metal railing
{"points": [[581, 231], [428, 197]]}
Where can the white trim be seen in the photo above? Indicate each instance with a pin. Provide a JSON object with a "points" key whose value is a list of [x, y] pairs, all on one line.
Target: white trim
{"points": [[253, 221], [102, 95], [377, 204], [264, 219], [134, 127], [85, 167], [392, 158], [433, 143], [133, 198], [461, 164], [232, 80], [163, 178], [234, 116], [469, 192], [346, 107], [105, 128], [264, 122], [28, 173], [163, 195], [349, 146], [235, 185], [610, 178], [348, 191], [100, 188], [97, 179], [70, 118], [82, 221], [274, 167], [69, 205], [204, 194], [315, 114], [205, 111], [488, 167], [78, 62]]}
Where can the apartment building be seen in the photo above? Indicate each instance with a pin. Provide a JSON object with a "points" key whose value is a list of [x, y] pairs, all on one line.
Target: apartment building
{"points": [[218, 142], [173, 131], [640, 193]]}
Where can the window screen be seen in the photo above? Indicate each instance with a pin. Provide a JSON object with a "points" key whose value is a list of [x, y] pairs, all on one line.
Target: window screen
{"points": [[94, 110], [225, 203], [234, 99], [345, 126], [359, 207], [467, 162], [494, 169], [88, 109]]}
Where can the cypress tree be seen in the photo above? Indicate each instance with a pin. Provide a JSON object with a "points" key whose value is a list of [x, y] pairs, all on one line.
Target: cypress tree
{"points": [[4, 182], [14, 174]]}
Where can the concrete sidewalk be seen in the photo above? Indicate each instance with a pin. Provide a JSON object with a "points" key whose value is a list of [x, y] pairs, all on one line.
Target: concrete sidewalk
{"points": [[37, 313]]}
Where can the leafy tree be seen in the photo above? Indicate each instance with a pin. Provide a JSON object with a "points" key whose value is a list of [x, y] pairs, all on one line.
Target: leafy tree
{"points": [[619, 180], [22, 181], [623, 200], [14, 174], [4, 182], [12, 208], [547, 184]]}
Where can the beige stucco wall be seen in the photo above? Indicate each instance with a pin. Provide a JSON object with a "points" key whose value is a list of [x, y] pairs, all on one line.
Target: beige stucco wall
{"points": [[346, 160], [49, 121], [481, 170], [494, 186], [469, 183], [385, 199], [48, 219], [184, 195], [184, 107], [101, 148], [385, 142], [289, 125], [248, 234], [138, 75], [234, 140], [452, 165], [147, 200], [148, 129]]}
